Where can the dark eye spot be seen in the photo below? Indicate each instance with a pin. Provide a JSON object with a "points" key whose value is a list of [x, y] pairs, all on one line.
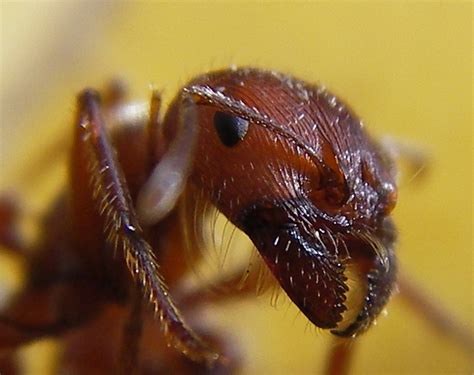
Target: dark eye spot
{"points": [[230, 129]]}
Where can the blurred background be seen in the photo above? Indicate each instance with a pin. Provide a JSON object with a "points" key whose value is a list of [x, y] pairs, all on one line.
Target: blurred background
{"points": [[406, 69]]}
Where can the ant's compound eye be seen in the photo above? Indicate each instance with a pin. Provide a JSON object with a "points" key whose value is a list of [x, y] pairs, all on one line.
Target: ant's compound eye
{"points": [[230, 129]]}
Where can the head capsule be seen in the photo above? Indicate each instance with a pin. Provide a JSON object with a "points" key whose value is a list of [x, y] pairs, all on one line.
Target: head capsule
{"points": [[291, 165]]}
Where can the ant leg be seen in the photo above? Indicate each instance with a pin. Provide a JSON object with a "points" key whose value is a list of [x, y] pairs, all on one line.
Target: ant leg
{"points": [[240, 284], [48, 310], [93, 148], [425, 305], [340, 356]]}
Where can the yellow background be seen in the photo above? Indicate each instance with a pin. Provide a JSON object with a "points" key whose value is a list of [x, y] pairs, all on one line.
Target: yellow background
{"points": [[406, 68]]}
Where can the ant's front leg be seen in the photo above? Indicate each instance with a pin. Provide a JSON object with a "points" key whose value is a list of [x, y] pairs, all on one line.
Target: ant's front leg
{"points": [[244, 282], [95, 169]]}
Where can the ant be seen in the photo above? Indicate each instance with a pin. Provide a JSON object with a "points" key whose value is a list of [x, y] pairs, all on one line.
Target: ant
{"points": [[287, 162]]}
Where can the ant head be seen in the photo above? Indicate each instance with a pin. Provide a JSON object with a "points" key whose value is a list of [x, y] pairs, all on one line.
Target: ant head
{"points": [[292, 166]]}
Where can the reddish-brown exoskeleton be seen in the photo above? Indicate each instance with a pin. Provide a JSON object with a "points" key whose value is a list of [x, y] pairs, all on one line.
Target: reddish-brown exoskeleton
{"points": [[285, 161]]}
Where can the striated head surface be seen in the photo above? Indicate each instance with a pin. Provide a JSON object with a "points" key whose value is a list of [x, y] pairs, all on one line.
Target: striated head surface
{"points": [[293, 167]]}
